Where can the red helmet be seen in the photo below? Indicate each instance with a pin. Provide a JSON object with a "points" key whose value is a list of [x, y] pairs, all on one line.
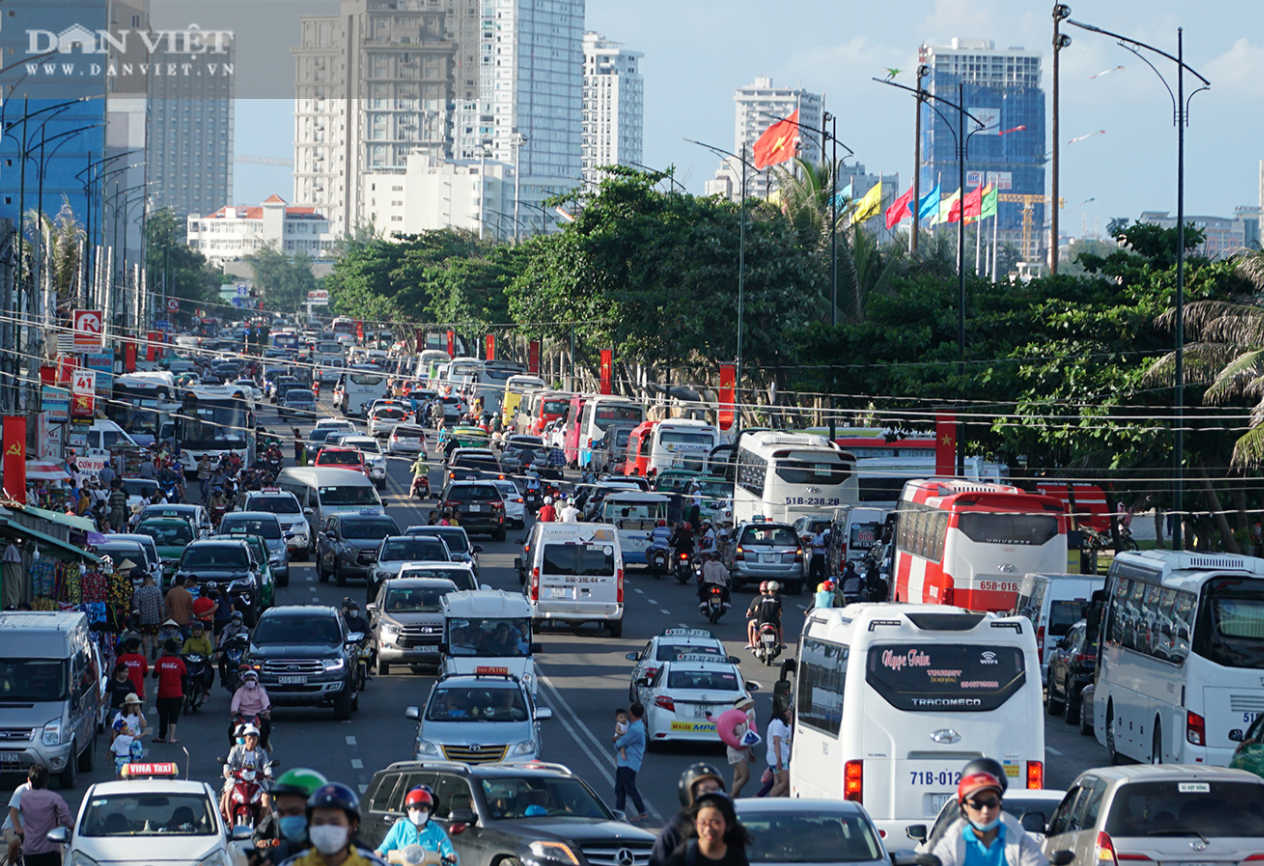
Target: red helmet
{"points": [[687, 526], [419, 798], [975, 782], [763, 586], [662, 522]]}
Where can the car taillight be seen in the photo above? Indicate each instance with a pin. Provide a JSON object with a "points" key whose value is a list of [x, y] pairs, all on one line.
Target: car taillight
{"points": [[497, 504], [1040, 644], [650, 673], [1085, 658], [798, 555], [519, 500], [535, 584], [618, 579], [666, 703], [1105, 850], [1035, 775], [740, 555], [854, 781], [949, 596], [451, 503], [1195, 729]]}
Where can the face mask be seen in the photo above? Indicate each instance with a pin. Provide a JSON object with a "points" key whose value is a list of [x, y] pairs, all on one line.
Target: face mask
{"points": [[328, 838], [241, 741], [989, 826], [293, 828], [418, 817], [251, 684]]}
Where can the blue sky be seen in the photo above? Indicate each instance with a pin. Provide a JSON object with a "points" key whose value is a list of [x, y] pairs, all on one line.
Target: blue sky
{"points": [[698, 51]]}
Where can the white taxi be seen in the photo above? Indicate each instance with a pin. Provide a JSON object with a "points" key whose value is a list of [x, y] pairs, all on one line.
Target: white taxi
{"points": [[684, 692], [285, 506], [666, 646], [148, 815]]}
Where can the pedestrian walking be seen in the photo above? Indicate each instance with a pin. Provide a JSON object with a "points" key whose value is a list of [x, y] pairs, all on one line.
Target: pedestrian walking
{"points": [[42, 811], [631, 748], [300, 448], [118, 506], [170, 673], [778, 736], [1257, 539], [147, 606], [179, 604], [204, 477], [741, 759]]}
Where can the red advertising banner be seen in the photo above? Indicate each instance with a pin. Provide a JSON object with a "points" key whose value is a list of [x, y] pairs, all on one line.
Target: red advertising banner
{"points": [[129, 357], [153, 351], [533, 357], [728, 381], [945, 444], [360, 330], [451, 344], [421, 340], [490, 341], [15, 457], [65, 369], [48, 376], [82, 405], [607, 370]]}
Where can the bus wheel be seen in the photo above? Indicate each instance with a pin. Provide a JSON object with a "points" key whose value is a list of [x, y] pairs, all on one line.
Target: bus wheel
{"points": [[1156, 748], [1110, 735]]}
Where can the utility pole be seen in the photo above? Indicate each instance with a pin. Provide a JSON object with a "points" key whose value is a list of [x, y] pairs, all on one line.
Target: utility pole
{"points": [[922, 71], [1060, 41]]}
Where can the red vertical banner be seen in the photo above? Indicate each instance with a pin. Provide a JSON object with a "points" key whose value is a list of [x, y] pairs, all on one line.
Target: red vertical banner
{"points": [[421, 340], [451, 344], [607, 370], [65, 369], [945, 444], [129, 356], [48, 376], [360, 330], [728, 381], [533, 357], [490, 341], [153, 351], [15, 457]]}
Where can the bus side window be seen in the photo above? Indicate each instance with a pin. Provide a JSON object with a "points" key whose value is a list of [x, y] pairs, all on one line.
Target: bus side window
{"points": [[941, 532]]}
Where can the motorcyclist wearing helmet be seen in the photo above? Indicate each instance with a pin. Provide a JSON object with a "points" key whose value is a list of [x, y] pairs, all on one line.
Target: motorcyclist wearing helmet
{"points": [[247, 753], [682, 538], [416, 828], [713, 572], [752, 614], [972, 839], [250, 700], [218, 499], [770, 610], [333, 817], [660, 536], [282, 832], [351, 615], [547, 513], [699, 779]]}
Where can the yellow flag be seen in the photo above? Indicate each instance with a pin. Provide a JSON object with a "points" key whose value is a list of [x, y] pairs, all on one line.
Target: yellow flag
{"points": [[946, 206], [868, 206]]}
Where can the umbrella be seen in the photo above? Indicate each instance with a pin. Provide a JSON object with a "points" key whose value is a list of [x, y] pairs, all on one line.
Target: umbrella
{"points": [[42, 470]]}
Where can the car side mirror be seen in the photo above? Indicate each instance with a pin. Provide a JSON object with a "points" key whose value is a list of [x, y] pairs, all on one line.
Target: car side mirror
{"points": [[241, 833], [478, 548], [1236, 735], [309, 511], [620, 815], [371, 607], [643, 681], [1061, 858], [916, 832], [1034, 822], [912, 858], [734, 660], [460, 819], [752, 686], [536, 647], [443, 648], [519, 541], [412, 713], [60, 835], [632, 657], [1061, 643], [355, 637], [543, 714]]}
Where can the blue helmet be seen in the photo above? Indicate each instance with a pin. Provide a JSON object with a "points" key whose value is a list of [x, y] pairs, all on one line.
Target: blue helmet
{"points": [[335, 795]]}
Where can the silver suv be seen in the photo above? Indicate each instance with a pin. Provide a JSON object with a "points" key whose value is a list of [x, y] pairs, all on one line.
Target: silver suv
{"points": [[478, 719], [407, 621], [766, 551]]}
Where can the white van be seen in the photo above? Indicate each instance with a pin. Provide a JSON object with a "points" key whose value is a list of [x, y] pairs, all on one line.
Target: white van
{"points": [[92, 448], [473, 638], [323, 491], [634, 515], [1054, 603], [573, 573], [892, 700]]}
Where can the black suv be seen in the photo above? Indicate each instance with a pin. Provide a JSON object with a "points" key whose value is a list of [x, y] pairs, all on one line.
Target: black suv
{"points": [[475, 464], [495, 812], [304, 658], [481, 506], [347, 545]]}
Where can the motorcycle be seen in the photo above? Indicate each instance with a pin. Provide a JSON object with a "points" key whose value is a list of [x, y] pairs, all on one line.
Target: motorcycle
{"points": [[420, 488], [217, 513], [684, 567], [713, 605], [234, 649], [364, 660], [767, 647], [245, 799], [657, 558], [532, 499], [194, 682]]}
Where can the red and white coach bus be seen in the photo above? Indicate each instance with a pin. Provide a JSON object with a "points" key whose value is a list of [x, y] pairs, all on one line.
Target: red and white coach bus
{"points": [[969, 544]]}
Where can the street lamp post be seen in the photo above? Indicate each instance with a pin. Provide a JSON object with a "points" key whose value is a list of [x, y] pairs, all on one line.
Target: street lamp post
{"points": [[1061, 12], [922, 71], [518, 141], [89, 187], [1180, 115], [670, 174]]}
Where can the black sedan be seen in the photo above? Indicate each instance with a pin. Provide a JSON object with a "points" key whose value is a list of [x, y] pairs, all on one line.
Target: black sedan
{"points": [[1071, 666]]}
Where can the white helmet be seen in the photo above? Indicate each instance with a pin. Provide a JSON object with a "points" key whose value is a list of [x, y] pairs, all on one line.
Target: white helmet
{"points": [[548, 500], [249, 731], [773, 586]]}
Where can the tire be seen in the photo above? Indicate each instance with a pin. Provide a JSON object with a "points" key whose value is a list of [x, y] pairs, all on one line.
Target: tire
{"points": [[250, 618], [1085, 722], [616, 628], [631, 694], [1110, 736], [67, 779], [499, 536], [1053, 706], [535, 628], [1070, 710], [796, 588], [339, 578], [88, 758], [1156, 743], [321, 574], [283, 581], [342, 707], [382, 668]]}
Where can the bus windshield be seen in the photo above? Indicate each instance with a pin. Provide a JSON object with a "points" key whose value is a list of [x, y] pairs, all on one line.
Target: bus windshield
{"points": [[681, 437], [825, 469], [1229, 629], [218, 423], [945, 677], [1012, 529], [606, 415]]}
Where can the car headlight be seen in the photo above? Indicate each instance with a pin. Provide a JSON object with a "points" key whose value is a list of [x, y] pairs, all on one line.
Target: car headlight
{"points": [[244, 584], [335, 664], [219, 857], [389, 630], [52, 733], [526, 747], [558, 852], [78, 858], [428, 749]]}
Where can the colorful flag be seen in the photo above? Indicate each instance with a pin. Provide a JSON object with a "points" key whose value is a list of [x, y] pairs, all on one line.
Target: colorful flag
{"points": [[973, 202], [990, 198], [868, 206], [777, 144], [947, 206], [930, 204], [899, 209]]}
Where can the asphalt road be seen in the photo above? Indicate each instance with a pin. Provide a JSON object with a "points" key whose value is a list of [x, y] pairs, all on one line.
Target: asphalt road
{"points": [[584, 678]]}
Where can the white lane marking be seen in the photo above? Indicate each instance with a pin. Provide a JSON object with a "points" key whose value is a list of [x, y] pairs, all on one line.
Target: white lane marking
{"points": [[363, 788], [603, 766], [651, 601], [664, 610], [357, 764], [351, 741], [1051, 750], [640, 591]]}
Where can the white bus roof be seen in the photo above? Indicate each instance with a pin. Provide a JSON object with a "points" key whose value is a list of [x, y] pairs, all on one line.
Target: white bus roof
{"points": [[481, 603], [1166, 561], [684, 422], [770, 439], [913, 621]]}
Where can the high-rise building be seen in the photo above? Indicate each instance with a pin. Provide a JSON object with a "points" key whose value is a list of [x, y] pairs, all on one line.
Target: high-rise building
{"points": [[190, 138], [614, 105], [758, 106], [1222, 236], [373, 85], [1001, 89]]}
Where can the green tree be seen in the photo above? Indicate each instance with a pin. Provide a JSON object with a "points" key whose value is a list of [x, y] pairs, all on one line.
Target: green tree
{"points": [[283, 280], [177, 268]]}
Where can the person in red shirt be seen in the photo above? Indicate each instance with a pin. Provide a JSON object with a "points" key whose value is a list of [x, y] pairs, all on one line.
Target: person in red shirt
{"points": [[170, 673], [547, 513], [137, 667]]}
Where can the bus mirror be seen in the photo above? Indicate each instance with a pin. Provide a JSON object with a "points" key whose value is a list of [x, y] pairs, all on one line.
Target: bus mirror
{"points": [[916, 832]]}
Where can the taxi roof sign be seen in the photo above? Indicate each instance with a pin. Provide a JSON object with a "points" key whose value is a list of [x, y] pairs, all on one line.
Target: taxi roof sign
{"points": [[270, 490], [494, 671], [687, 632], [149, 771]]}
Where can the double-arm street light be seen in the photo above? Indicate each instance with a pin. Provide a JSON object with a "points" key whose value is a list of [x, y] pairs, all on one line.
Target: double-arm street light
{"points": [[1180, 116]]}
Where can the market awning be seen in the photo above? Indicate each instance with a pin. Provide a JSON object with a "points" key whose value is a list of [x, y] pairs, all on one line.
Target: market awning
{"points": [[42, 470], [82, 524], [8, 527]]}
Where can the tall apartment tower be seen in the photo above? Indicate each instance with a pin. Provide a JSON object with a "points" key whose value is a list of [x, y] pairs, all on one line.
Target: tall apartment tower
{"points": [[190, 135], [1002, 90], [614, 105], [373, 85], [758, 106]]}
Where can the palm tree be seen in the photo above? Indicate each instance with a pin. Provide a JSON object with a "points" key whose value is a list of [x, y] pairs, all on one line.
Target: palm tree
{"points": [[60, 245]]}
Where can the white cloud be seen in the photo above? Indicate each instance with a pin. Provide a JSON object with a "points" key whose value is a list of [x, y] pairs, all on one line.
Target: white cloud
{"points": [[1239, 71]]}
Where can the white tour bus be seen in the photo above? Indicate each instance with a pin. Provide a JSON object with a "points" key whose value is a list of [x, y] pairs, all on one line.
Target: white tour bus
{"points": [[463, 372], [634, 515], [428, 363], [783, 476], [1180, 657], [493, 377], [598, 414], [892, 700], [883, 478], [364, 384], [682, 443]]}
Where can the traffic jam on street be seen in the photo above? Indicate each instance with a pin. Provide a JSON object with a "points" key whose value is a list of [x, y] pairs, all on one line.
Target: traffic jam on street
{"points": [[434, 604]]}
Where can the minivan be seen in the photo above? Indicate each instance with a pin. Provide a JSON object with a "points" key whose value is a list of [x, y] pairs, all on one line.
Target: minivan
{"points": [[49, 693], [325, 491], [572, 573], [1054, 603]]}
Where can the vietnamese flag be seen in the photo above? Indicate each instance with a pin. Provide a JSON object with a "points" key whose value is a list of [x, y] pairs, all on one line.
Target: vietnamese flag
{"points": [[777, 144], [899, 209], [945, 444]]}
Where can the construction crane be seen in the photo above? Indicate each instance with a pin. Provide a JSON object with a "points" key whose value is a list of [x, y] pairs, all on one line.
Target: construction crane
{"points": [[1027, 201], [266, 160]]}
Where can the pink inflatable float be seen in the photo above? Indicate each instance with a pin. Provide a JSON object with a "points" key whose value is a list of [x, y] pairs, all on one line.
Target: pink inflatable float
{"points": [[726, 725]]}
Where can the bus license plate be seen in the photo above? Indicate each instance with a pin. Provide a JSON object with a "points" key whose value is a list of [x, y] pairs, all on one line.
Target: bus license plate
{"points": [[558, 592], [932, 803], [292, 681]]}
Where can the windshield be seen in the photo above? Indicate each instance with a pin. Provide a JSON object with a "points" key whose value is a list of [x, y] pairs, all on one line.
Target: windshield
{"points": [[252, 526], [472, 492], [390, 413], [299, 630], [362, 443], [167, 534], [402, 432], [222, 556], [485, 464], [617, 510], [414, 549], [299, 395], [139, 486], [274, 504], [1014, 529], [359, 495], [456, 539], [462, 577], [823, 469], [212, 424], [417, 599], [945, 677], [148, 814], [721, 681], [1178, 808], [771, 536], [489, 637], [339, 458], [715, 489], [33, 681], [604, 416], [486, 704], [369, 527], [320, 434], [365, 379], [679, 437], [579, 559], [802, 837], [556, 407], [1229, 629], [513, 797]]}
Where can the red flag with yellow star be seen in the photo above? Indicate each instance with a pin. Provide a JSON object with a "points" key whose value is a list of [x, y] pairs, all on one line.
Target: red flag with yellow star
{"points": [[777, 144], [945, 444]]}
